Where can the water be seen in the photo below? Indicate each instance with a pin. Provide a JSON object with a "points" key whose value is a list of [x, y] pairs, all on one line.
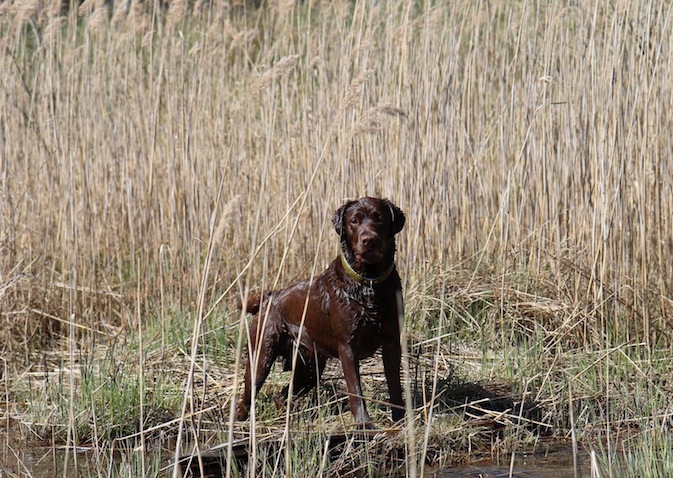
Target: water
{"points": [[552, 465], [21, 459]]}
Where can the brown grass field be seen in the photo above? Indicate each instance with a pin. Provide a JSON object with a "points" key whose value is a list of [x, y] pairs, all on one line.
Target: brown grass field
{"points": [[157, 164]]}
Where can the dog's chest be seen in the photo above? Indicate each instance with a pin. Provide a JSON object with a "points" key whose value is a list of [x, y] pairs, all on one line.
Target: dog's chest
{"points": [[373, 319]]}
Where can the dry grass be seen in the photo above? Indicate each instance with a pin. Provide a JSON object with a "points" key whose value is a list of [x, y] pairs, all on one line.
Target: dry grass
{"points": [[524, 141], [164, 162]]}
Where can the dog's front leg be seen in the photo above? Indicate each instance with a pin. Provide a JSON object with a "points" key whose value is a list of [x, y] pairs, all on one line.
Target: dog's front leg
{"points": [[392, 361], [351, 368]]}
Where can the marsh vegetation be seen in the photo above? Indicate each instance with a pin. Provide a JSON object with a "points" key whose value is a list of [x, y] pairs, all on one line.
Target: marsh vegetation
{"points": [[158, 164]]}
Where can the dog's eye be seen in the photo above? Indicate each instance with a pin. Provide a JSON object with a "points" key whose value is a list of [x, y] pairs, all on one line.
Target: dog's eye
{"points": [[355, 220]]}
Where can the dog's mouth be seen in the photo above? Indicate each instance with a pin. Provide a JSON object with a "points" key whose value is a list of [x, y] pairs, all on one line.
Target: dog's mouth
{"points": [[370, 256]]}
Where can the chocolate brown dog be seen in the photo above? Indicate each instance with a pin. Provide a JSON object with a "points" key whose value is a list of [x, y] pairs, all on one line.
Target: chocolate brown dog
{"points": [[348, 312]]}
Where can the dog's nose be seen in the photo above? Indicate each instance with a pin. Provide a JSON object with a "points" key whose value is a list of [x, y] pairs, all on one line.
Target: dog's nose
{"points": [[367, 238]]}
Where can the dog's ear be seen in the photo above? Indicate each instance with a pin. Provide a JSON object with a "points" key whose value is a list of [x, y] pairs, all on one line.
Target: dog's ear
{"points": [[398, 217], [338, 218]]}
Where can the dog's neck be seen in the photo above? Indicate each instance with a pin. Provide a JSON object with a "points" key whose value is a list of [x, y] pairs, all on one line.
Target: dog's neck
{"points": [[365, 279]]}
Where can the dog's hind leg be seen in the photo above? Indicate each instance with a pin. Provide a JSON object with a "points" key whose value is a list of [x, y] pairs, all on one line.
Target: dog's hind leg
{"points": [[261, 355], [306, 374]]}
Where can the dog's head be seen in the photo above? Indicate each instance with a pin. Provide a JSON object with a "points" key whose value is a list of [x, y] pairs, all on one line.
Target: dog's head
{"points": [[367, 228]]}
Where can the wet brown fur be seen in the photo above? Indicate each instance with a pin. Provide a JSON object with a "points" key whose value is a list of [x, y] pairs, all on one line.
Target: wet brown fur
{"points": [[335, 315]]}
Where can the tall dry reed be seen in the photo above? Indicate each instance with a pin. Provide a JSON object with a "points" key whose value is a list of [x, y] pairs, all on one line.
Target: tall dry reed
{"points": [[527, 143]]}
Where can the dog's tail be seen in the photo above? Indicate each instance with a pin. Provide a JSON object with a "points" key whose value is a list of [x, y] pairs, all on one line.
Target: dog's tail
{"points": [[255, 301]]}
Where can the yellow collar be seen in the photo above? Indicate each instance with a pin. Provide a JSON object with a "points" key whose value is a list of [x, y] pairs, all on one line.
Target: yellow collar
{"points": [[360, 279]]}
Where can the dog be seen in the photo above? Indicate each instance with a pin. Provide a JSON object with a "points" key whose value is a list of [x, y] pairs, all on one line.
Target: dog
{"points": [[348, 312]]}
